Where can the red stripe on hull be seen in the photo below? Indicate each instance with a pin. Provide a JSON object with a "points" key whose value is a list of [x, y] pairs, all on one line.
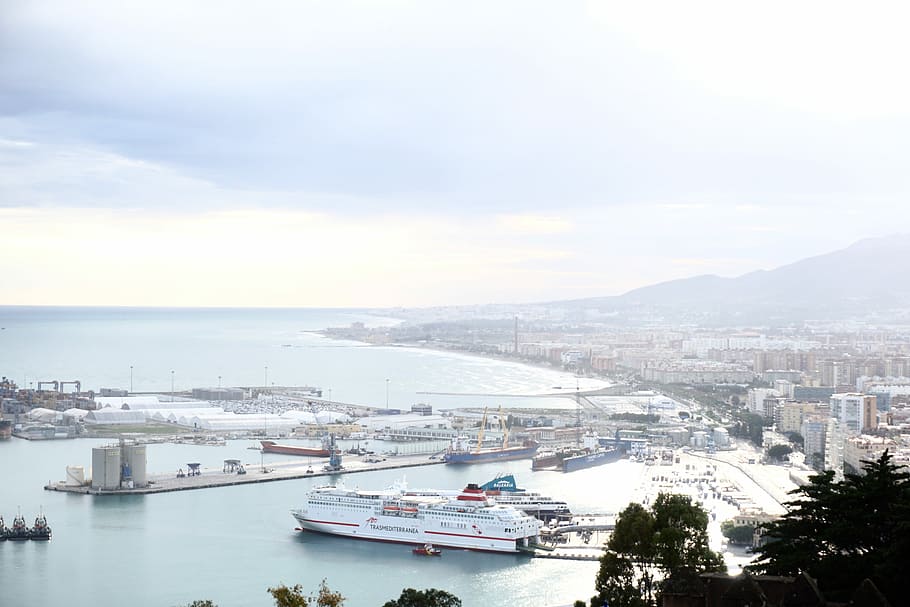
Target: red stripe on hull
{"points": [[390, 541], [476, 537], [310, 520]]}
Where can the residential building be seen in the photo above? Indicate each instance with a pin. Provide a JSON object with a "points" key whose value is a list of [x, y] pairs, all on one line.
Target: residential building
{"points": [[856, 412], [814, 432], [834, 448], [858, 449], [792, 415]]}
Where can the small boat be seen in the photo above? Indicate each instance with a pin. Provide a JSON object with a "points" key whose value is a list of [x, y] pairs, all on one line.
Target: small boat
{"points": [[427, 550], [19, 531], [40, 531]]}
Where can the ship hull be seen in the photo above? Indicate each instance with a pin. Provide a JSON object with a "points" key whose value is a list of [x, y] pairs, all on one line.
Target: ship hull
{"points": [[393, 529], [591, 460], [489, 455], [271, 447]]}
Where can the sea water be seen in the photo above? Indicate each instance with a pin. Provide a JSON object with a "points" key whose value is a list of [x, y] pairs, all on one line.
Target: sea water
{"points": [[230, 544]]}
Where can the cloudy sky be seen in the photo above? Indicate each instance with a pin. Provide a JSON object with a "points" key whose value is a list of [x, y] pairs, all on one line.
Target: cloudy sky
{"points": [[420, 153]]}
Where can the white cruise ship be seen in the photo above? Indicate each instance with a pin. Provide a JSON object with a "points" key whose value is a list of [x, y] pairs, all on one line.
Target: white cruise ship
{"points": [[464, 520]]}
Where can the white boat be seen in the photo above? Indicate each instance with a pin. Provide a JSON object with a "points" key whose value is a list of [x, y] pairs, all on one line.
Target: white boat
{"points": [[503, 490], [465, 520]]}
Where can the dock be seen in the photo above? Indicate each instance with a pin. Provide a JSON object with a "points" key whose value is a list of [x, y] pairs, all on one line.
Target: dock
{"points": [[253, 473], [567, 556]]}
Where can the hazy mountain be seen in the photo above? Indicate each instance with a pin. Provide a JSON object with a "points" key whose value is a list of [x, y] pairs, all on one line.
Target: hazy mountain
{"points": [[870, 278]]}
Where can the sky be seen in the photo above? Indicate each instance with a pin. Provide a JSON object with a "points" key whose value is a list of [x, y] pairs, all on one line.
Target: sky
{"points": [[374, 154]]}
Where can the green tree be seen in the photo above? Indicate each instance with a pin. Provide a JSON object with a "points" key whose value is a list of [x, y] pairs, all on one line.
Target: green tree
{"points": [[424, 598], [779, 452], [294, 597], [749, 426], [737, 534], [796, 438], [841, 533], [649, 545]]}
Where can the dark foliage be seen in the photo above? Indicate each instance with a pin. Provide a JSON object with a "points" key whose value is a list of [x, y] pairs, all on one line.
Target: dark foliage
{"points": [[843, 532], [648, 546], [424, 598]]}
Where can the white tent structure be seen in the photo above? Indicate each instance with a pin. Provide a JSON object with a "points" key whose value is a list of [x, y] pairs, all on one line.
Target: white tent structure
{"points": [[126, 402], [47, 416], [114, 416], [75, 413]]}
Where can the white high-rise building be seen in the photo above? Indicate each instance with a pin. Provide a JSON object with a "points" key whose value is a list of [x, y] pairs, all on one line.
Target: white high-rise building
{"points": [[856, 412], [834, 448]]}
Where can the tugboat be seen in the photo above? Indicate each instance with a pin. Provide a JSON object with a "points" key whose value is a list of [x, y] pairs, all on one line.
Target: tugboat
{"points": [[40, 531], [427, 550], [18, 532]]}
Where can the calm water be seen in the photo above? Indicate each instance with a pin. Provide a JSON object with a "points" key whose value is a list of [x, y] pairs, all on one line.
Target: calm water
{"points": [[230, 544], [248, 348]]}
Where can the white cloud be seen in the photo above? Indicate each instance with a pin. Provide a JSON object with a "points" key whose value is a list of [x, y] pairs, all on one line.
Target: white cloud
{"points": [[535, 224], [411, 153]]}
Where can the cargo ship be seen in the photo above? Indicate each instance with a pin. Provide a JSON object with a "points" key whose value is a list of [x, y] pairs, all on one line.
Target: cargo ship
{"points": [[323, 451], [577, 458], [466, 520], [462, 452], [598, 457]]}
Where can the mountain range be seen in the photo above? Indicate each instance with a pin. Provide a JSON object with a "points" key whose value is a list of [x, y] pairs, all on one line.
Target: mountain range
{"points": [[869, 280]]}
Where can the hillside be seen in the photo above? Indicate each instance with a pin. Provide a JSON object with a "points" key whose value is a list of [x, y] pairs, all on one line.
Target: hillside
{"points": [[870, 279]]}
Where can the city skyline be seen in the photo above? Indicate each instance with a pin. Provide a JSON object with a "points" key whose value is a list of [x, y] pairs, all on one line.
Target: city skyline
{"points": [[357, 155]]}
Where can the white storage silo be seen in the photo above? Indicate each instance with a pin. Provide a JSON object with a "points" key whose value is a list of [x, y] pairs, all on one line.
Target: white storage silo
{"points": [[135, 456], [106, 468], [75, 476]]}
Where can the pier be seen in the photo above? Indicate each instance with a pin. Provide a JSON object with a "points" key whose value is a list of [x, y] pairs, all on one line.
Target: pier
{"points": [[577, 556], [252, 473]]}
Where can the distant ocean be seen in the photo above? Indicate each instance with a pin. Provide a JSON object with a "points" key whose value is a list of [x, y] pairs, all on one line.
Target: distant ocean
{"points": [[249, 347], [230, 544]]}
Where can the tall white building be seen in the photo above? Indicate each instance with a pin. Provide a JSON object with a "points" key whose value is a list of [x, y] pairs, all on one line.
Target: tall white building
{"points": [[755, 399], [834, 448], [856, 412]]}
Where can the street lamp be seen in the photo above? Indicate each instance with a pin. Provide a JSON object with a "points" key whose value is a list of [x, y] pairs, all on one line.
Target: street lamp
{"points": [[131, 379], [266, 384], [219, 381], [386, 392], [172, 385]]}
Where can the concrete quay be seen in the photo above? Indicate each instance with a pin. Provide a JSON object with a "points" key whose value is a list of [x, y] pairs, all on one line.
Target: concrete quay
{"points": [[276, 471]]}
